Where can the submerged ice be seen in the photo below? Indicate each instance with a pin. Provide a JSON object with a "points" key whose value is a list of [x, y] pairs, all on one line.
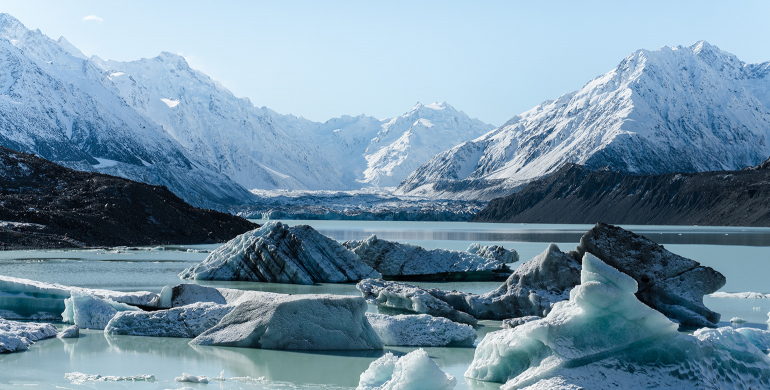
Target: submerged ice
{"points": [[604, 336]]}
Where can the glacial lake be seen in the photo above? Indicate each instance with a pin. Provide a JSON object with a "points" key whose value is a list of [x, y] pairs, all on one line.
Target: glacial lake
{"points": [[741, 254]]}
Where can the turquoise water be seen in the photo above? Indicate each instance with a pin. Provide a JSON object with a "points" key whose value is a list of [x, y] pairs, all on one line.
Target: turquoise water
{"points": [[741, 254]]}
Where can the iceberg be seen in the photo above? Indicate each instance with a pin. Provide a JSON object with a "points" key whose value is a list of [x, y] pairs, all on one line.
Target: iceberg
{"points": [[278, 253], [71, 332], [89, 312], [604, 337], [399, 261], [413, 371], [669, 283], [402, 296], [740, 295], [421, 330], [514, 322], [18, 336], [191, 378], [298, 322], [495, 252], [24, 299], [185, 321]]}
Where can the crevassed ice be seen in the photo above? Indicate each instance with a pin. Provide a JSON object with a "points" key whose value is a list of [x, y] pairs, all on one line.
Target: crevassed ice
{"points": [[604, 336]]}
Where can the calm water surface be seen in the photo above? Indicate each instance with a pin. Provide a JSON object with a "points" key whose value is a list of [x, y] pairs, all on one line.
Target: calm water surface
{"points": [[741, 254]]}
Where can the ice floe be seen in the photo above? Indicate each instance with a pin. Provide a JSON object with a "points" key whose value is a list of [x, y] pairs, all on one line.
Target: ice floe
{"points": [[737, 320], [89, 312], [740, 295], [604, 337], [281, 254], [18, 336], [421, 330], [402, 296], [396, 260], [79, 377], [71, 332], [24, 299], [495, 252], [413, 371], [301, 322], [185, 321]]}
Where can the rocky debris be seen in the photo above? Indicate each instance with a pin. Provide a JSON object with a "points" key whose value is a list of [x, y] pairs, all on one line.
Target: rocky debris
{"points": [[18, 336], [278, 253], [580, 342], [413, 371], [669, 283], [495, 252], [411, 299], [401, 261], [575, 194], [45, 205], [514, 322], [71, 332], [421, 330], [296, 322]]}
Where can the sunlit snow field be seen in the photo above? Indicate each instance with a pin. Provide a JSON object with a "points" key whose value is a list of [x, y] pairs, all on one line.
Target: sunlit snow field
{"points": [[741, 254]]}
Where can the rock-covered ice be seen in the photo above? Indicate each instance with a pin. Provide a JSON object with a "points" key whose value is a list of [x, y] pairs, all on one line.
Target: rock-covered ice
{"points": [[89, 312], [604, 337], [413, 371], [18, 336], [396, 260], [300, 322], [281, 254], [71, 332], [24, 299], [421, 330], [496, 252], [402, 296], [669, 283]]}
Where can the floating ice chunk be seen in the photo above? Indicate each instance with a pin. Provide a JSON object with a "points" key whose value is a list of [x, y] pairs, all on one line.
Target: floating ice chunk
{"points": [[604, 336], [25, 299], [18, 336], [414, 371], [514, 322], [421, 330], [495, 252], [184, 321], [192, 378], [79, 377], [737, 320], [70, 332], [304, 322], [281, 254], [398, 260], [89, 312], [403, 296], [740, 295]]}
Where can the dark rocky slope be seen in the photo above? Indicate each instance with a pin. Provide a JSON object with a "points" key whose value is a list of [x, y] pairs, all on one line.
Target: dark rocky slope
{"points": [[44, 205], [575, 194]]}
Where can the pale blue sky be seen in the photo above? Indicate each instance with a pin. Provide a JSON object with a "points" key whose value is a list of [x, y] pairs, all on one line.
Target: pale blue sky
{"points": [[319, 59]]}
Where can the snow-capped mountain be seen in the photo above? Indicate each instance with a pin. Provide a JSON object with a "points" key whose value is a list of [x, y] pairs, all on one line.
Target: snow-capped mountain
{"points": [[680, 109], [382, 153], [59, 105]]}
